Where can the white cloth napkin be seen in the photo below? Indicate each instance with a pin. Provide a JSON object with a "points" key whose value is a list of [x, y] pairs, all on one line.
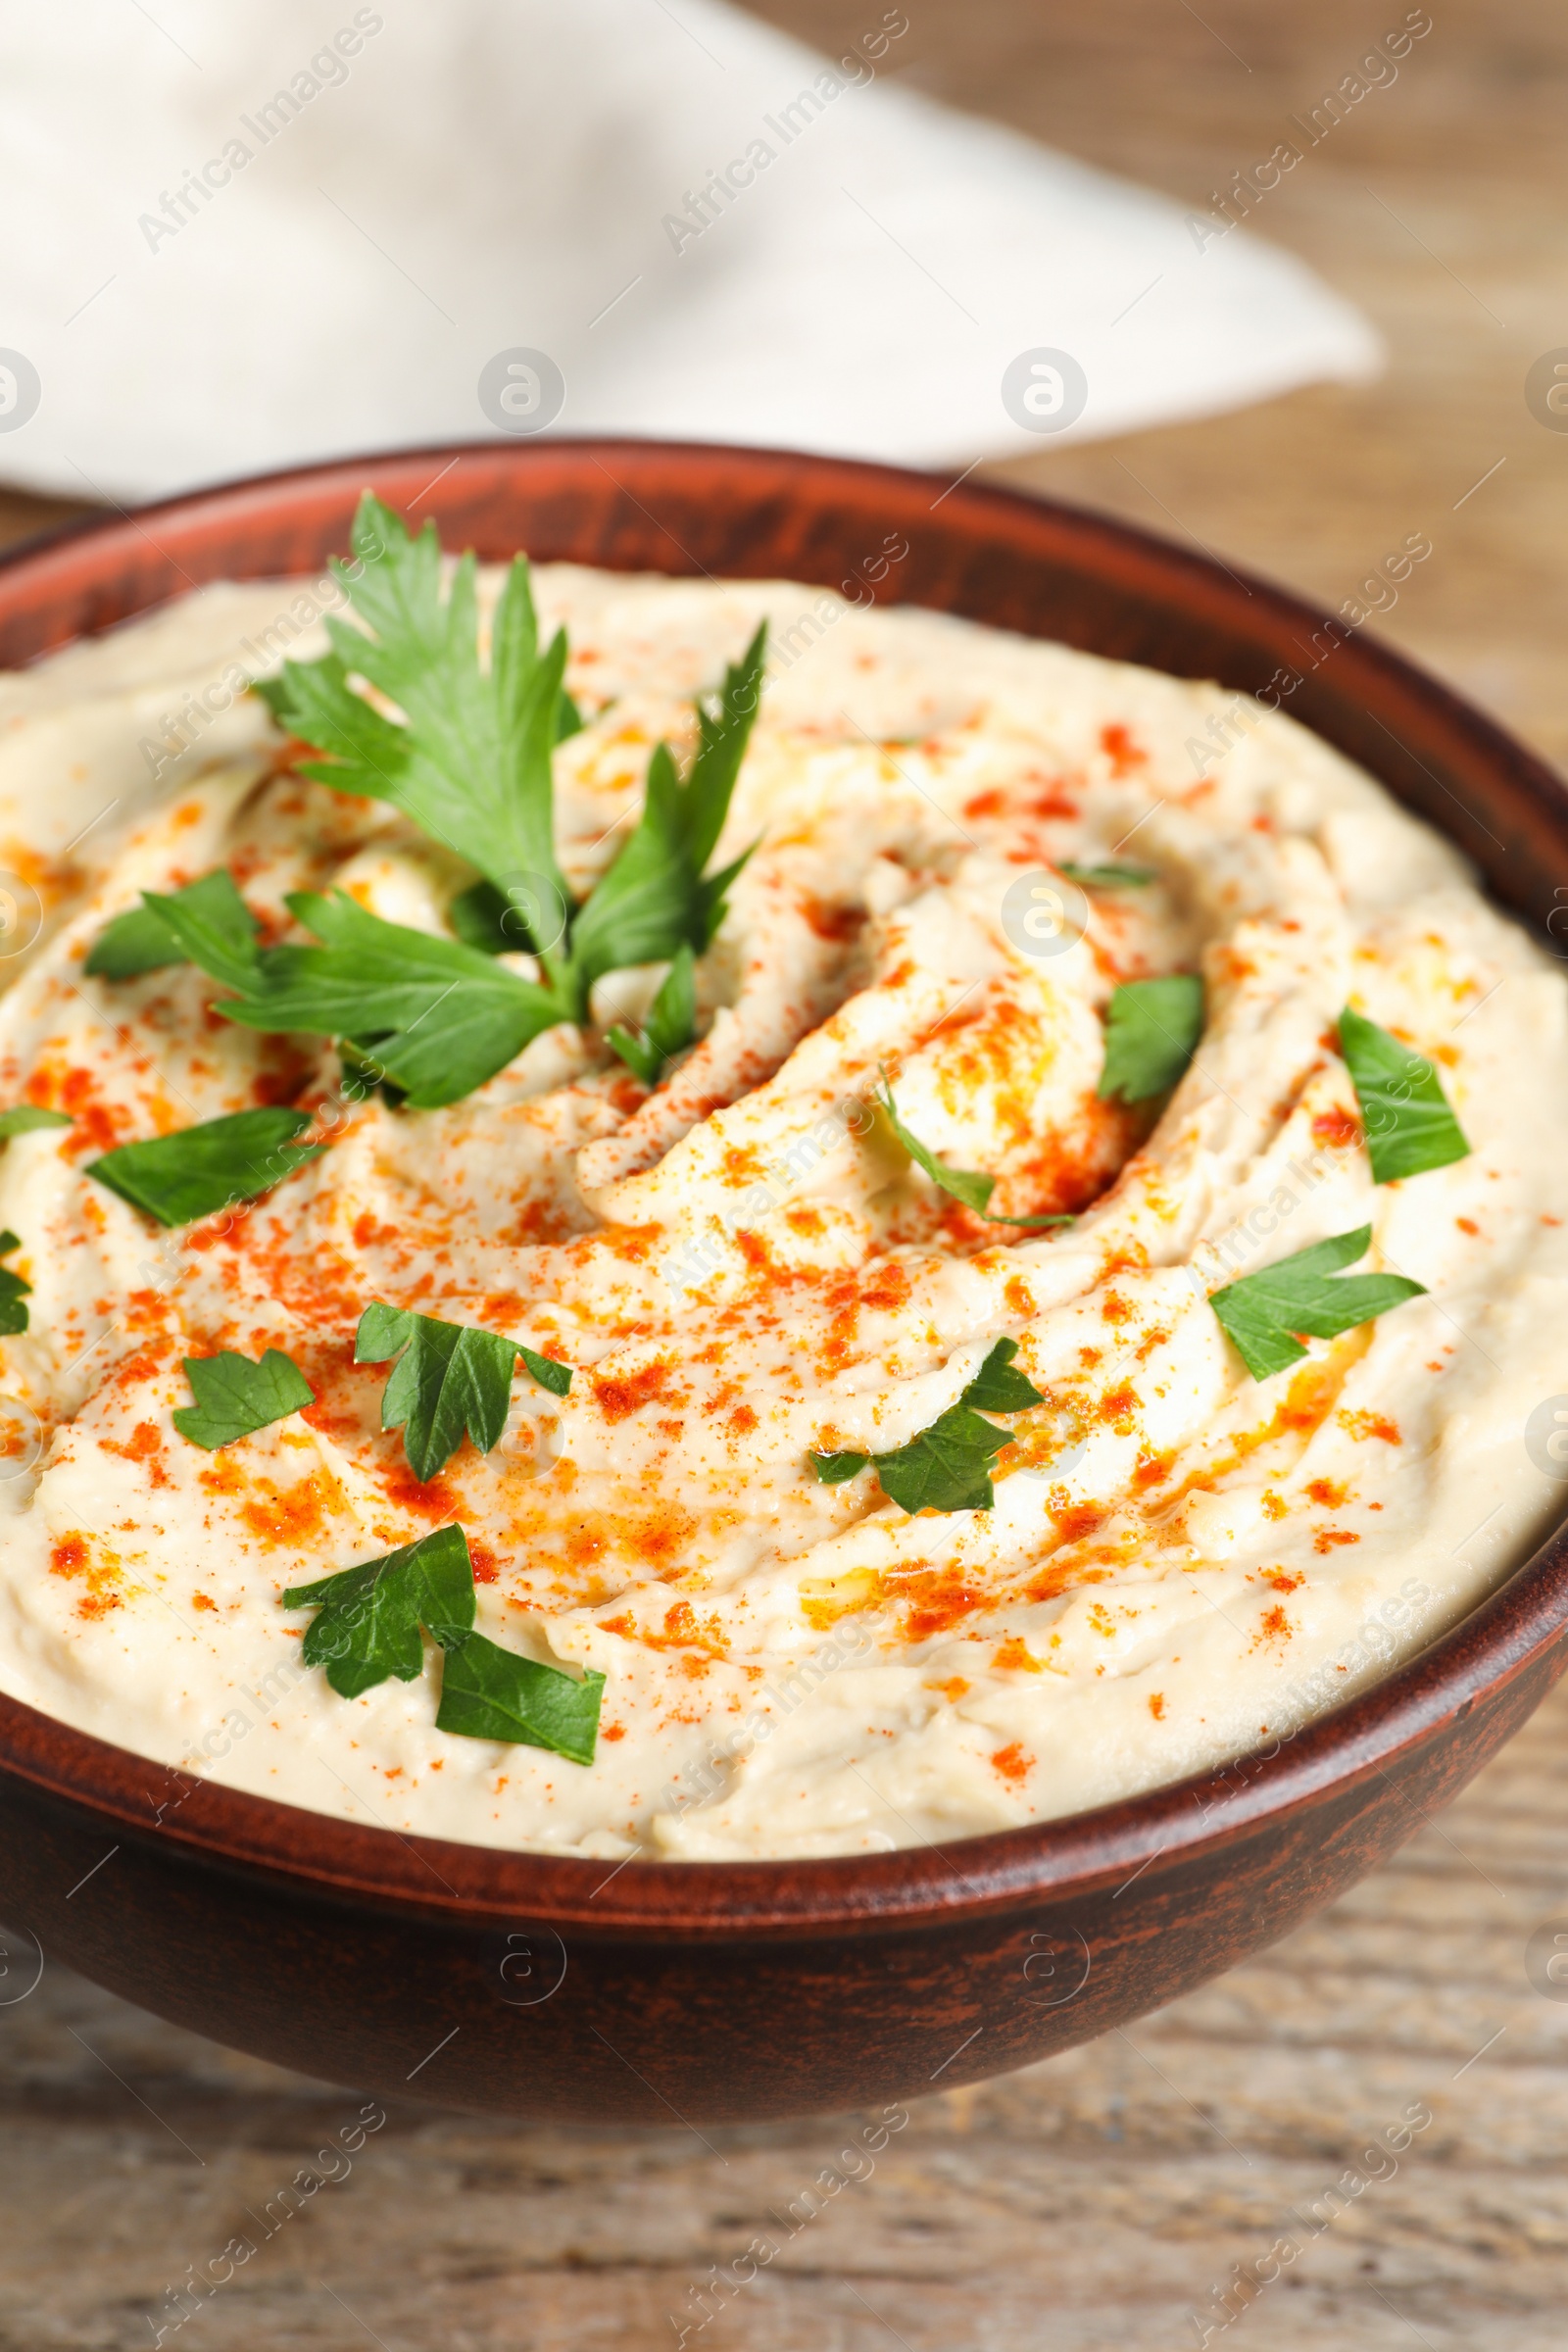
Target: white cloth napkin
{"points": [[242, 235]]}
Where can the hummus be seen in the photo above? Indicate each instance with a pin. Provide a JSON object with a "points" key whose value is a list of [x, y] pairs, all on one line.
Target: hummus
{"points": [[746, 1269]]}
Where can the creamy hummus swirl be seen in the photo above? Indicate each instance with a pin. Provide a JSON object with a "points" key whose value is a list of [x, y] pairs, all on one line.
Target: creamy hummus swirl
{"points": [[1182, 1563]]}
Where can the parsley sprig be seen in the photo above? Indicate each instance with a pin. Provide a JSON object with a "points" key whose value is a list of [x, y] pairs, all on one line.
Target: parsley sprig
{"points": [[948, 1466], [367, 1632], [1263, 1313], [470, 758]]}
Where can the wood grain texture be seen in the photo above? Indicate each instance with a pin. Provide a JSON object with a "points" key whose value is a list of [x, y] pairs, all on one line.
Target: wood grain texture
{"points": [[1096, 2201]]}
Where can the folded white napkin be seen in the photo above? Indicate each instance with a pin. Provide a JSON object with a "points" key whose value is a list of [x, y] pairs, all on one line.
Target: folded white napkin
{"points": [[244, 235]]}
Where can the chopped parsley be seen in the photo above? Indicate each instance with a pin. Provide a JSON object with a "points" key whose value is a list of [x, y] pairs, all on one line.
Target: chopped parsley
{"points": [[1151, 1033], [1407, 1118], [447, 1378], [14, 1291], [1263, 1313], [948, 1466], [967, 1185], [367, 1632], [181, 1177], [235, 1396]]}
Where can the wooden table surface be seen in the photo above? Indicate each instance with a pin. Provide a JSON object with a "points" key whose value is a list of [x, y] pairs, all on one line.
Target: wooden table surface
{"points": [[1102, 2200]]}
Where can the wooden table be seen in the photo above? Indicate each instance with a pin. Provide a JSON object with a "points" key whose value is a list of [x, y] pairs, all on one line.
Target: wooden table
{"points": [[1099, 2201]]}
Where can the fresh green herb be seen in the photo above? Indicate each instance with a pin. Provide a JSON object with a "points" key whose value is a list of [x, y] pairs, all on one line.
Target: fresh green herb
{"points": [[999, 1387], [235, 1397], [1109, 876], [1151, 1033], [488, 1693], [23, 1117], [1263, 1312], [653, 900], [556, 1378], [14, 1291], [472, 762], [449, 1377], [967, 1185], [154, 934], [948, 1466], [368, 1631], [178, 1178], [435, 1017], [1407, 1117], [670, 1025], [832, 1469], [369, 1620]]}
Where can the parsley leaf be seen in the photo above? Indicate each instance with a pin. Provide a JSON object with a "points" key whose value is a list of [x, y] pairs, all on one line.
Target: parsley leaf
{"points": [[832, 1469], [1109, 876], [556, 1378], [436, 1017], [1262, 1312], [488, 1693], [471, 763], [997, 1387], [369, 1616], [13, 1290], [235, 1397], [1409, 1123], [653, 899], [449, 1377], [368, 1631], [156, 933], [967, 1185], [1151, 1033], [948, 1466], [178, 1178], [23, 1117], [670, 1025]]}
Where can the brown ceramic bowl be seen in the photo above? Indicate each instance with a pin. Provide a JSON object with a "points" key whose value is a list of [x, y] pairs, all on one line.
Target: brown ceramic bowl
{"points": [[740, 1990]]}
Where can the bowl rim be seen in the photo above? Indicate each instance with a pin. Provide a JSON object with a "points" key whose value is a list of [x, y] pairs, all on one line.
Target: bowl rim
{"points": [[357, 1865]]}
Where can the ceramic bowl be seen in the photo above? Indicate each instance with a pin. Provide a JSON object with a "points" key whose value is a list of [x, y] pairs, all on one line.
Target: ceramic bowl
{"points": [[734, 1991]]}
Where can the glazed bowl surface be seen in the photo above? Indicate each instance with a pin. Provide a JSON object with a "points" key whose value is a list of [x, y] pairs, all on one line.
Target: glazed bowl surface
{"points": [[542, 1986]]}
